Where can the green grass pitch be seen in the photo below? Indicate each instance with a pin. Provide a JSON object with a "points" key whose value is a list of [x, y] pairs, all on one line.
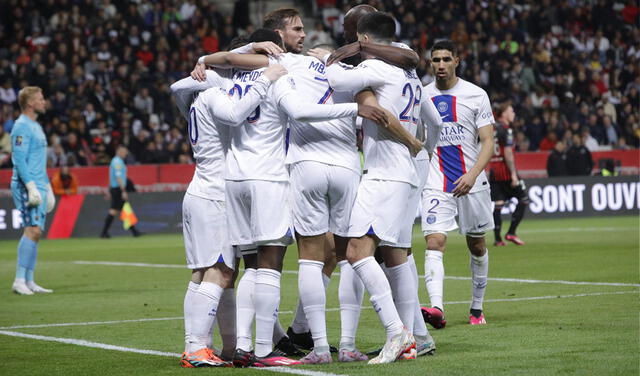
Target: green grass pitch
{"points": [[538, 327]]}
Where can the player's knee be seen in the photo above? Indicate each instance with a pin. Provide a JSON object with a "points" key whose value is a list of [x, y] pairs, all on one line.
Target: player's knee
{"points": [[436, 242], [476, 244], [498, 205]]}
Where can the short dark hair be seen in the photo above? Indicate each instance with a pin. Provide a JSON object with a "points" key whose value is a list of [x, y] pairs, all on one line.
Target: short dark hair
{"points": [[379, 25], [445, 44], [265, 35], [237, 42], [501, 107], [278, 18]]}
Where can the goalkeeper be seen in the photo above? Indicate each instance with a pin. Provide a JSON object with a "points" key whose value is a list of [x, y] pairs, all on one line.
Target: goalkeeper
{"points": [[32, 193]]}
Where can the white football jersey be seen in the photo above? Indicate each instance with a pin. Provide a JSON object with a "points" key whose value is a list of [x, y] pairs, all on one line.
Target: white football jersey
{"points": [[210, 116], [398, 91], [327, 141], [464, 109]]}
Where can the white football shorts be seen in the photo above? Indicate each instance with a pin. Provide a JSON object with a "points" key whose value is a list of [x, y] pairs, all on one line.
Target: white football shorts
{"points": [[422, 167], [323, 197], [439, 210], [258, 212], [204, 227], [382, 208]]}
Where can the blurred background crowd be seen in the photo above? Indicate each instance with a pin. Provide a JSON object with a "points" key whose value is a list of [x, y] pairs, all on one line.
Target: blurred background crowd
{"points": [[570, 68]]}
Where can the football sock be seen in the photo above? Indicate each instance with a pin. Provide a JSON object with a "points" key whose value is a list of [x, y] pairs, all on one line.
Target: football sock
{"points": [[27, 255], [378, 287], [188, 310], [419, 326], [403, 292], [227, 321], [245, 310], [299, 324], [434, 277], [205, 305], [313, 300], [134, 230], [278, 331], [479, 270], [350, 293], [107, 223], [475, 313], [516, 217], [267, 299], [497, 220]]}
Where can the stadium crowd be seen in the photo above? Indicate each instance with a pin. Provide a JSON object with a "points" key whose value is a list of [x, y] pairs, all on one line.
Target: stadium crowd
{"points": [[569, 67]]}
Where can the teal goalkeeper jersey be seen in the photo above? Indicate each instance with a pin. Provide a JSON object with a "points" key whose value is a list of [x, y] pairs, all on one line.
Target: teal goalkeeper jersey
{"points": [[29, 153]]}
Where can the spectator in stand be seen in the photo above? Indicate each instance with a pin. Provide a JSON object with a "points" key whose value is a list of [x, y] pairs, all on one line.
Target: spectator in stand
{"points": [[579, 160], [64, 182], [549, 141], [5, 148], [587, 140], [103, 52], [557, 161]]}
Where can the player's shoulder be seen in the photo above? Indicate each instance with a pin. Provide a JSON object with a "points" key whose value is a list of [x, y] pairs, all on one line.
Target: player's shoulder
{"points": [[470, 88], [22, 124]]}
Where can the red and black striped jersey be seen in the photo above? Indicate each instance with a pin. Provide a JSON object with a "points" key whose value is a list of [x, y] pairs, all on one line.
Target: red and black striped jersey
{"points": [[502, 137]]}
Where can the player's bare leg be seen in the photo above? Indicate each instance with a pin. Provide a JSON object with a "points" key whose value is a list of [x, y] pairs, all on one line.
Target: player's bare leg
{"points": [[479, 266], [434, 279], [360, 255]]}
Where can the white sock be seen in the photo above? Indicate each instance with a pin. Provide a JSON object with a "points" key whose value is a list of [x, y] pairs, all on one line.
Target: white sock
{"points": [[188, 310], [278, 332], [267, 299], [404, 292], [227, 321], [245, 310], [299, 324], [378, 287], [205, 305], [479, 271], [434, 277], [419, 326], [313, 301], [350, 293]]}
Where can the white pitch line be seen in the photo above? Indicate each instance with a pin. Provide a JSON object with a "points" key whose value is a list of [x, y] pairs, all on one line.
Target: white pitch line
{"points": [[335, 309], [557, 282], [104, 346], [81, 342], [576, 229], [91, 323]]}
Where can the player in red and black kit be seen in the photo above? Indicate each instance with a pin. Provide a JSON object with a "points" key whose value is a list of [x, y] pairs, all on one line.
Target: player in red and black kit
{"points": [[503, 176]]}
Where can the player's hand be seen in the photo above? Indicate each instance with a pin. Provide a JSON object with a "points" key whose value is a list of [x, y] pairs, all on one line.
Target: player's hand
{"points": [[51, 199], [268, 48], [373, 113], [344, 52], [463, 184], [274, 72], [318, 53], [125, 195], [514, 181], [199, 72], [415, 147], [34, 197]]}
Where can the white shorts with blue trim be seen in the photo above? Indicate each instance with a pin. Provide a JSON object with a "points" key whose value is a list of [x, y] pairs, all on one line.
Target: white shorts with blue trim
{"points": [[323, 197], [204, 227], [259, 212], [30, 215], [439, 211], [383, 208]]}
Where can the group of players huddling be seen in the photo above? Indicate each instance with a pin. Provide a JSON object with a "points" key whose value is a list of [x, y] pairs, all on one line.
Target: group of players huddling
{"points": [[274, 136]]}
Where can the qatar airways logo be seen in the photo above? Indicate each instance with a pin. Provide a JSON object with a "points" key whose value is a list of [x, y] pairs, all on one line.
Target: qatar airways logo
{"points": [[451, 133]]}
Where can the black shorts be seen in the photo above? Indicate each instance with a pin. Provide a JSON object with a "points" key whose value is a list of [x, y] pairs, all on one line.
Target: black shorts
{"points": [[116, 198], [503, 191]]}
